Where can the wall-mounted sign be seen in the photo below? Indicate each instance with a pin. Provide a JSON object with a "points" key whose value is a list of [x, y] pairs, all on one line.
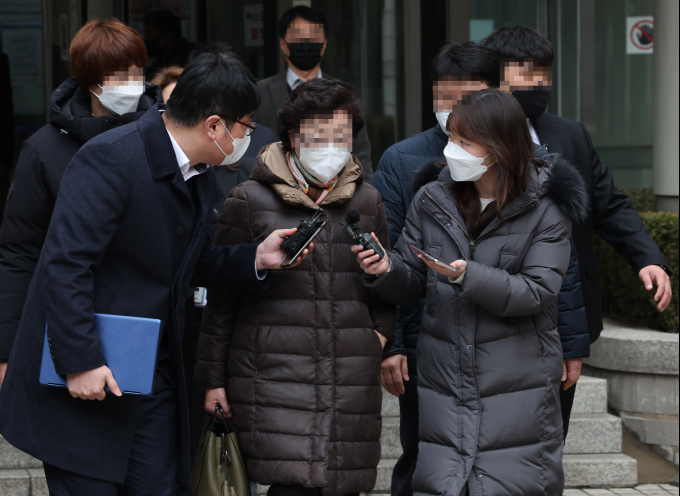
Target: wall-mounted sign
{"points": [[253, 25], [639, 35]]}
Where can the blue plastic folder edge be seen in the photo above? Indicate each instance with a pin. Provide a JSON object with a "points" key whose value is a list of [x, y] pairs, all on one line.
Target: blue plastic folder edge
{"points": [[130, 347]]}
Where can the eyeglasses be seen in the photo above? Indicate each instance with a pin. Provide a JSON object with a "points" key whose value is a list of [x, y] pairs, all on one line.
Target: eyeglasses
{"points": [[250, 128]]}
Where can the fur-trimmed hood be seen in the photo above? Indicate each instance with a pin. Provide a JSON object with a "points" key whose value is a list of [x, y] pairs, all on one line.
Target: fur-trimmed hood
{"points": [[557, 179]]}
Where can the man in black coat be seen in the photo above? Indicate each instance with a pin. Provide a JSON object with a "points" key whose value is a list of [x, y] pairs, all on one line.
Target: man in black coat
{"points": [[526, 60], [129, 235], [302, 38]]}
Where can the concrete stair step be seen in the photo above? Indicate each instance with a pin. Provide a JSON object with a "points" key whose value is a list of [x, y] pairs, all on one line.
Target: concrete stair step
{"points": [[23, 482], [613, 470], [390, 445], [384, 481], [591, 395], [390, 405], [588, 433], [593, 433], [12, 458]]}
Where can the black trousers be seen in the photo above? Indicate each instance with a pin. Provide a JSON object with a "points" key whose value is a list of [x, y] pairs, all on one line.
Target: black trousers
{"points": [[408, 433], [295, 490], [152, 466], [567, 403]]}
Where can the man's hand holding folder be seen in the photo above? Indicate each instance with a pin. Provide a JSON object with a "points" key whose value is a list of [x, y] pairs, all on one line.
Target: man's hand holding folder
{"points": [[89, 385]]}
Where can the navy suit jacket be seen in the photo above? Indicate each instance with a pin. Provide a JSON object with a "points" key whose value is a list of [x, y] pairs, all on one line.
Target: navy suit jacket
{"points": [[126, 239]]}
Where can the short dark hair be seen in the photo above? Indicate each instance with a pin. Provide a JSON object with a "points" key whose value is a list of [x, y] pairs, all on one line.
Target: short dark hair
{"points": [[467, 59], [303, 12], [518, 43], [315, 97], [217, 47], [213, 85], [164, 20]]}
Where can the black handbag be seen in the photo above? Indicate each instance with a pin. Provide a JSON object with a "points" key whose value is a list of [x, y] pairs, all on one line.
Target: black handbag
{"points": [[219, 468]]}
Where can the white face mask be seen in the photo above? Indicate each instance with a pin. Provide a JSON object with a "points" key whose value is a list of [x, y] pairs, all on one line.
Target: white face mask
{"points": [[442, 118], [463, 165], [324, 163], [121, 99], [240, 147]]}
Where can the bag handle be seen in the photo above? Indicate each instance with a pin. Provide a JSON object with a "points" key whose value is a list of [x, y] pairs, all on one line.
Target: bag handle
{"points": [[224, 421]]}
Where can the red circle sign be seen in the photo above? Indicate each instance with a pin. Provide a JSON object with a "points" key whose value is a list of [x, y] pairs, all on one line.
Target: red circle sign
{"points": [[637, 28]]}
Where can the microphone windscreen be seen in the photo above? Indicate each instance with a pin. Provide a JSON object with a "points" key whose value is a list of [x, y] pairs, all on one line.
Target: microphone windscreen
{"points": [[352, 217]]}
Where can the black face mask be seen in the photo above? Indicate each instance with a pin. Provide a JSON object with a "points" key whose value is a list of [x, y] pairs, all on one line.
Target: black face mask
{"points": [[533, 102], [305, 56]]}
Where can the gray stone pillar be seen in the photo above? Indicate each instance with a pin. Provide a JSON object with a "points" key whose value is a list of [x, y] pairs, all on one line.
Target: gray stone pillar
{"points": [[666, 179]]}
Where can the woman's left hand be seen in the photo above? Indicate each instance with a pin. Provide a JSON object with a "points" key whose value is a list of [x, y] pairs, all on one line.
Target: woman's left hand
{"points": [[460, 267]]}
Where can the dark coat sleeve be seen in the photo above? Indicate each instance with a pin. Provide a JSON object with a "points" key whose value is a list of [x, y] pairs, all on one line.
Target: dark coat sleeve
{"points": [[219, 316], [405, 282], [26, 213], [232, 266], [92, 200], [616, 221], [383, 314], [572, 323]]}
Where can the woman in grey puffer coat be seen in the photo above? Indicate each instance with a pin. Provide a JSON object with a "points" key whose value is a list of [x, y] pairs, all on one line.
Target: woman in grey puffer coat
{"points": [[489, 355]]}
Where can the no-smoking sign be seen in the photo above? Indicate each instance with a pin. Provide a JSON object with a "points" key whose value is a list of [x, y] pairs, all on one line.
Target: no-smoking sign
{"points": [[639, 35]]}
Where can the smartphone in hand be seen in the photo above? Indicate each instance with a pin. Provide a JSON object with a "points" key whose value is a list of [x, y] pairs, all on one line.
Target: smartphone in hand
{"points": [[435, 260]]}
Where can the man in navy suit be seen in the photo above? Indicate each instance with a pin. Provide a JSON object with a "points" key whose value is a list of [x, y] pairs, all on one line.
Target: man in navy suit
{"points": [[129, 235]]}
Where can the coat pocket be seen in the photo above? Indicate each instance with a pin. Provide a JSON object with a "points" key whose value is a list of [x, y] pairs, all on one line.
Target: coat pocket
{"points": [[507, 262]]}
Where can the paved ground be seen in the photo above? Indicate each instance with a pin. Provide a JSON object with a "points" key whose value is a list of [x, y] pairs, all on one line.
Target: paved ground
{"points": [[643, 490]]}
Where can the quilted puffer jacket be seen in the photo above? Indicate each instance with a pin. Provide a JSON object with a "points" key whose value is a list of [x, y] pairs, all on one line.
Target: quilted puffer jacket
{"points": [[489, 354], [301, 360]]}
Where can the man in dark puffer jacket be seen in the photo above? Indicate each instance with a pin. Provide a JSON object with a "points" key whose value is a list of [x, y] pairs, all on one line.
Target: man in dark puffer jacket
{"points": [[393, 179]]}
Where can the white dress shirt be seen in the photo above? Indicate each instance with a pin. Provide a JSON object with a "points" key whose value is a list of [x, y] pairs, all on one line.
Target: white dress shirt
{"points": [[294, 80], [534, 134], [183, 161]]}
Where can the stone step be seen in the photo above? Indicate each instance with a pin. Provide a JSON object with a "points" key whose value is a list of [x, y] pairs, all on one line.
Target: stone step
{"points": [[390, 405], [390, 445], [593, 433], [384, 480], [588, 433], [12, 458], [591, 395], [23, 482], [613, 470]]}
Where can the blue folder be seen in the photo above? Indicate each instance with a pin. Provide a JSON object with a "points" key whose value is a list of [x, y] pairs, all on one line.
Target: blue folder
{"points": [[130, 347]]}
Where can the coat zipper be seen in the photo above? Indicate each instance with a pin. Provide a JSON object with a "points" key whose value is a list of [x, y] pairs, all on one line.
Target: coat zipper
{"points": [[462, 253], [485, 235]]}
